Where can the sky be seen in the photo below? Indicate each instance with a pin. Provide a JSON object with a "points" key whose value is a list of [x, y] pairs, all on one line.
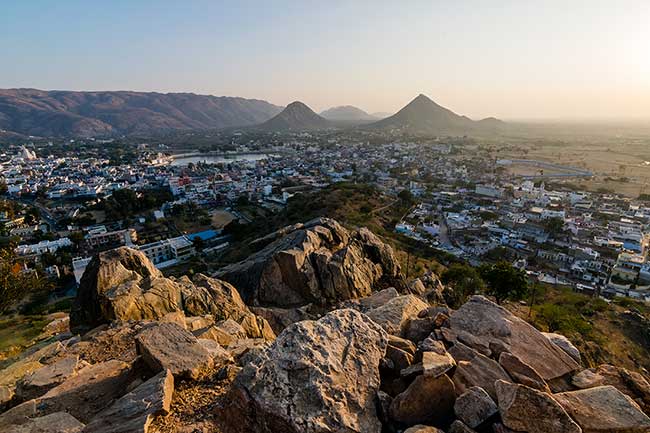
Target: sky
{"points": [[520, 59]]}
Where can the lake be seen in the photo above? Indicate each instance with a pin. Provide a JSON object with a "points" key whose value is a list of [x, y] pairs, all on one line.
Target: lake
{"points": [[216, 159]]}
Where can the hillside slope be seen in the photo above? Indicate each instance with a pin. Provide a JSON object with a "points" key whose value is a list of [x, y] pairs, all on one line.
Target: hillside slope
{"points": [[68, 113]]}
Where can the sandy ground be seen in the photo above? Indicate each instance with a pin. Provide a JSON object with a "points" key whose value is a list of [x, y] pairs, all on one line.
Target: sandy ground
{"points": [[221, 218]]}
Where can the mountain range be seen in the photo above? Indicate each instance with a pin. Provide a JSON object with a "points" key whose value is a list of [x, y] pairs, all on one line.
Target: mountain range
{"points": [[68, 113], [88, 114], [348, 113]]}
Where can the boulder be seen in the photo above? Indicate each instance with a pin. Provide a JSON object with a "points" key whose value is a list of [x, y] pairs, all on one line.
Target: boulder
{"points": [[432, 364], [167, 346], [122, 284], [563, 343], [604, 409], [401, 343], [194, 323], [82, 395], [489, 321], [628, 382], [57, 326], [318, 262], [474, 407], [216, 334], [475, 369], [528, 410], [459, 336], [218, 354], [375, 300], [6, 395], [427, 400], [208, 296], [459, 427], [47, 377], [240, 349], [395, 315], [401, 359], [418, 328], [134, 412], [422, 429], [316, 376], [57, 422], [522, 372], [430, 344]]}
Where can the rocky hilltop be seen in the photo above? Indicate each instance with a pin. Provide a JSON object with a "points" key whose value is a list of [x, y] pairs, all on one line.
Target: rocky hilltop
{"points": [[154, 354]]}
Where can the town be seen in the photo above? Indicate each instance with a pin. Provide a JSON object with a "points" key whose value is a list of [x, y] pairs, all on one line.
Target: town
{"points": [[61, 209]]}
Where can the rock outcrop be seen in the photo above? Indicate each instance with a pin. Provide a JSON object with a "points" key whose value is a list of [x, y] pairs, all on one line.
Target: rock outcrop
{"points": [[122, 285], [181, 354], [167, 346], [488, 321], [134, 411], [528, 410], [318, 262], [317, 376], [604, 409]]}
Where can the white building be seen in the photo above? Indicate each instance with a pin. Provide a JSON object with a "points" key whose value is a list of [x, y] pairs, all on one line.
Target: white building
{"points": [[42, 247]]}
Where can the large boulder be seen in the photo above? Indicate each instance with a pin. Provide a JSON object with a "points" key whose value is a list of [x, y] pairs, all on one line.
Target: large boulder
{"points": [[522, 372], [488, 321], [604, 409], [395, 314], [475, 369], [317, 376], [122, 284], [318, 262], [135, 411], [82, 395], [563, 343], [167, 346], [427, 400], [47, 377], [526, 409], [628, 382], [474, 407], [57, 422]]}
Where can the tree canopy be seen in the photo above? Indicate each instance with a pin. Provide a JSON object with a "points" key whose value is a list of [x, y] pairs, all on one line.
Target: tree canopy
{"points": [[504, 281]]}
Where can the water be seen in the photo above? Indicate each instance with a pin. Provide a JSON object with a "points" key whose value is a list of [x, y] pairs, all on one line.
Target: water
{"points": [[215, 159]]}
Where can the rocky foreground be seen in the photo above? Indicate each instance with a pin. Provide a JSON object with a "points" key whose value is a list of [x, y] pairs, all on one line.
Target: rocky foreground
{"points": [[148, 353]]}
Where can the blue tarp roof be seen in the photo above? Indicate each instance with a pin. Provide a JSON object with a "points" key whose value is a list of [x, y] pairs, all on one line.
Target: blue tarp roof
{"points": [[205, 235]]}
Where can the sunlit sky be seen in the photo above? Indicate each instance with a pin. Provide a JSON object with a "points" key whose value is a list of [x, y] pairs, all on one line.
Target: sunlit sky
{"points": [[511, 59]]}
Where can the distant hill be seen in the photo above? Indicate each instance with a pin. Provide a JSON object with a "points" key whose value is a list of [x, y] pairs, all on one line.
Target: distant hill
{"points": [[295, 117], [381, 114], [422, 115], [67, 113], [348, 113]]}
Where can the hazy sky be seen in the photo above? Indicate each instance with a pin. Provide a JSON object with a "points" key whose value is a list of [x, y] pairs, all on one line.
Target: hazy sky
{"points": [[510, 59]]}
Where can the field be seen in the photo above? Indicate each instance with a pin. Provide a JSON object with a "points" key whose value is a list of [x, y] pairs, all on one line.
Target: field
{"points": [[619, 156]]}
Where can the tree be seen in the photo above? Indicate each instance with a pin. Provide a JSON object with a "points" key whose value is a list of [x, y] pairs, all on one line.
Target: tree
{"points": [[406, 196], [3, 187], [504, 281], [462, 281], [554, 226], [14, 283]]}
